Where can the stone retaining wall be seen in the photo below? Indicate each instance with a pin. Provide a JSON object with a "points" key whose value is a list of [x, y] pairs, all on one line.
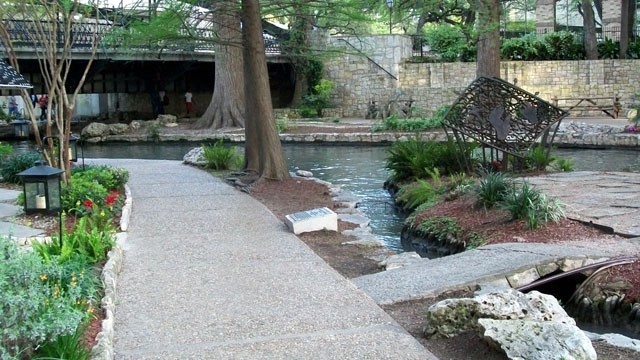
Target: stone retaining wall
{"points": [[359, 79]]}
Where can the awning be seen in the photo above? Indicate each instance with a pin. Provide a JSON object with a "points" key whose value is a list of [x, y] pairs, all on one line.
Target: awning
{"points": [[11, 79]]}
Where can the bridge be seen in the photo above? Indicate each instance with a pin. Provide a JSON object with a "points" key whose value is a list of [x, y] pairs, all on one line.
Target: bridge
{"points": [[187, 63]]}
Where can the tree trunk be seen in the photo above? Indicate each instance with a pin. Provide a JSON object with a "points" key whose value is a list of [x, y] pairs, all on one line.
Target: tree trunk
{"points": [[488, 20], [261, 125], [227, 103], [298, 46], [590, 41]]}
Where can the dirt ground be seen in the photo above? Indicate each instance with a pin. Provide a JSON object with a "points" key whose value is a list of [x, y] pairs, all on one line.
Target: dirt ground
{"points": [[295, 194]]}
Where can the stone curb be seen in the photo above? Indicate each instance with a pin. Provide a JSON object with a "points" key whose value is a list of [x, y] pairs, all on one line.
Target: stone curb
{"points": [[103, 350]]}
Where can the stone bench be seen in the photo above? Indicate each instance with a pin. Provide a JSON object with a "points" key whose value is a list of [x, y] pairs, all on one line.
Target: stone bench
{"points": [[609, 105], [377, 109]]}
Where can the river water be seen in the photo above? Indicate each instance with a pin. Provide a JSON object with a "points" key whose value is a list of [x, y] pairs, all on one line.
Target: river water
{"points": [[359, 170]]}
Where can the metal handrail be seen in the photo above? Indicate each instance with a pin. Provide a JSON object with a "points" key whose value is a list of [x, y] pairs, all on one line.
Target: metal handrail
{"points": [[370, 59]]}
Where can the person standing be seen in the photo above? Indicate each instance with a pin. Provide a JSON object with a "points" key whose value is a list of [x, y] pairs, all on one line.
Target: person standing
{"points": [[13, 107], [188, 100], [44, 102], [34, 99]]}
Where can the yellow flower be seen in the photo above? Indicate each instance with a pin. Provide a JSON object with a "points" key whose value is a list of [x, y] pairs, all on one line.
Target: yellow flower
{"points": [[56, 292], [43, 277], [102, 213], [74, 280]]}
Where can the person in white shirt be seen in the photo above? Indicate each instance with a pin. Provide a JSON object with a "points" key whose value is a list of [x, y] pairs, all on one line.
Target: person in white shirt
{"points": [[188, 100]]}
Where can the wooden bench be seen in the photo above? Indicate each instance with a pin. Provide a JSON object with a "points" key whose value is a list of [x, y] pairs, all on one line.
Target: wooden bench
{"points": [[609, 105]]}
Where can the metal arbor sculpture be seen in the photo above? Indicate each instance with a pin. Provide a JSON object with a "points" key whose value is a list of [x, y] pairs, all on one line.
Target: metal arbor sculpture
{"points": [[501, 116]]}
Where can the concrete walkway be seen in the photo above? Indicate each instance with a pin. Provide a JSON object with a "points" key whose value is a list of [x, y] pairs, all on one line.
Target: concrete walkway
{"points": [[210, 273]]}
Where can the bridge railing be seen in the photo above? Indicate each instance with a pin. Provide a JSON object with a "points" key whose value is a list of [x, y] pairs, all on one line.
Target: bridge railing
{"points": [[24, 34]]}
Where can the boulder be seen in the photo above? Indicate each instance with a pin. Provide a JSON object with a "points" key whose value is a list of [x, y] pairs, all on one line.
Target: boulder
{"points": [[136, 124], [304, 173], [454, 316], [94, 130], [540, 340], [195, 157], [118, 129]]}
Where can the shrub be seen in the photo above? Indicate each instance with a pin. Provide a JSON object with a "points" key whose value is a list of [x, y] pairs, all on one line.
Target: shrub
{"points": [[319, 98], [561, 45], [563, 164], [609, 49], [523, 48], [79, 189], [440, 227], [5, 150], [393, 123], [38, 305], [109, 177], [538, 158], [68, 347], [220, 157], [447, 41], [492, 189], [525, 202], [16, 164], [415, 194]]}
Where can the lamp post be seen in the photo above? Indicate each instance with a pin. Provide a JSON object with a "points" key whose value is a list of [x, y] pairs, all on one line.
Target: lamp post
{"points": [[42, 191], [390, 6]]}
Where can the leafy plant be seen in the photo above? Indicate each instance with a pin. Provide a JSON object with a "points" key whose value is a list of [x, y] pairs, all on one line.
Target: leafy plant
{"points": [[440, 227], [561, 45], [412, 195], [319, 98], [16, 164], [563, 164], [283, 124], [67, 346], [538, 158], [79, 189], [609, 49], [393, 123], [220, 157], [37, 306], [523, 48], [5, 151], [526, 202], [447, 41], [492, 189], [475, 240], [154, 132]]}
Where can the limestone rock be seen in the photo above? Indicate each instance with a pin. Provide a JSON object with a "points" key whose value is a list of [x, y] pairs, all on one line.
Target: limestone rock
{"points": [[455, 316], [136, 124], [401, 260], [540, 340], [95, 129], [304, 173], [195, 157], [164, 119], [118, 129]]}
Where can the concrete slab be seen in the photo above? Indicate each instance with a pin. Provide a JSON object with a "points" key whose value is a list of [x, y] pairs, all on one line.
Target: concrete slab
{"points": [[19, 231], [7, 195], [7, 210]]}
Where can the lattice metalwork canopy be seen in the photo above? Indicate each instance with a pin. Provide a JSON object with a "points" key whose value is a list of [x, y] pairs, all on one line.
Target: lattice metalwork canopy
{"points": [[501, 115]]}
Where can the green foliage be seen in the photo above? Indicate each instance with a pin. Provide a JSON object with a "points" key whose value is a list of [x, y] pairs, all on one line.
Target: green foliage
{"points": [[68, 347], [633, 51], [220, 157], [284, 124], [393, 123], [319, 98], [492, 189], [526, 202], [154, 132], [16, 164], [475, 240], [80, 188], [440, 227], [448, 41], [414, 159], [561, 45], [90, 239], [562, 164], [39, 301], [523, 48], [5, 151], [538, 158], [609, 49], [103, 175], [417, 193]]}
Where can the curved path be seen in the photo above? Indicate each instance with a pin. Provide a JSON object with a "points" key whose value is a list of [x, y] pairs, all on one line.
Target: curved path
{"points": [[210, 273]]}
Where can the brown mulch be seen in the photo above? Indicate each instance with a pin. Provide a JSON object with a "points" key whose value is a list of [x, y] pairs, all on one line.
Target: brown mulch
{"points": [[293, 195]]}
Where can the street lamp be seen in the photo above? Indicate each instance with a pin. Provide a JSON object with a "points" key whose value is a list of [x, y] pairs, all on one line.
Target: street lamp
{"points": [[390, 6]]}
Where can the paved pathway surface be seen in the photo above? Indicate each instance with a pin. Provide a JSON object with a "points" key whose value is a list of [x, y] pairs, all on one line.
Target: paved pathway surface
{"points": [[210, 273]]}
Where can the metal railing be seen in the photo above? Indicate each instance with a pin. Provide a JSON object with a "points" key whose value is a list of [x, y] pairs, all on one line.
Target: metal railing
{"points": [[24, 34]]}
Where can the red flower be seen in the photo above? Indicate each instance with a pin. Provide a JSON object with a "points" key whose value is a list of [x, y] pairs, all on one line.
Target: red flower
{"points": [[88, 204], [111, 199]]}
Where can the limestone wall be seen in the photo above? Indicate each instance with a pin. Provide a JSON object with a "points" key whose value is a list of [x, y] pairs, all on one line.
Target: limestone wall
{"points": [[358, 80]]}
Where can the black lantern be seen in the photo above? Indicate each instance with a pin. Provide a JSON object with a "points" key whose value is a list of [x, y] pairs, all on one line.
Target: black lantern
{"points": [[73, 148], [20, 128], [41, 188]]}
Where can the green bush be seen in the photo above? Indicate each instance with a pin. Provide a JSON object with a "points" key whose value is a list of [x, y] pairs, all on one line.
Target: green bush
{"points": [[440, 227], [110, 178], [528, 203], [447, 41], [5, 151], [16, 164], [415, 194], [523, 48], [538, 158], [492, 189], [78, 190], [562, 164], [220, 157], [68, 347], [609, 49], [561, 45], [393, 123], [319, 98], [39, 302]]}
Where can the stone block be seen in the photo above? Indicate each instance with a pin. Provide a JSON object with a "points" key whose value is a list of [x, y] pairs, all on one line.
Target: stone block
{"points": [[523, 278], [312, 220]]}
